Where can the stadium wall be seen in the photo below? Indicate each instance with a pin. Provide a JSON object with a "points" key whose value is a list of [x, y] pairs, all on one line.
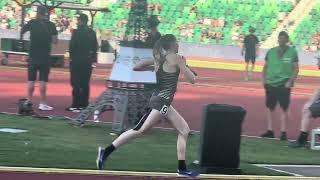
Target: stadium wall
{"points": [[212, 51]]}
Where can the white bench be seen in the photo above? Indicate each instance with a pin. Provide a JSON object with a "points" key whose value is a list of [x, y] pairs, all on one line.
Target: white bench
{"points": [[314, 135]]}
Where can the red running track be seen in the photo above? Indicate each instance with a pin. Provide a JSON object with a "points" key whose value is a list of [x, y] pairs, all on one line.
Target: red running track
{"points": [[220, 86]]}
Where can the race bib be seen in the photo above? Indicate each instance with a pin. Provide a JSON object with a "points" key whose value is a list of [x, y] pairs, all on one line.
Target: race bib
{"points": [[164, 110]]}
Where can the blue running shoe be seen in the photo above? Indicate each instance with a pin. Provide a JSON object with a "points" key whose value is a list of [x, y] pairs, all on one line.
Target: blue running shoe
{"points": [[100, 158], [188, 173]]}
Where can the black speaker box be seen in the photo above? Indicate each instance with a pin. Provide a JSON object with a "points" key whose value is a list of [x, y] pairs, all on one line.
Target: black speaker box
{"points": [[220, 139]]}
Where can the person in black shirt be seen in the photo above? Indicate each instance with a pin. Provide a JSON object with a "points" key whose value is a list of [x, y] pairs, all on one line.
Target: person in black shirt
{"points": [[250, 49], [42, 34], [83, 52], [154, 34]]}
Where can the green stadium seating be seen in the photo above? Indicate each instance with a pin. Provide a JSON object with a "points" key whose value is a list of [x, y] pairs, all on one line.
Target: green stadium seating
{"points": [[307, 28], [261, 14]]}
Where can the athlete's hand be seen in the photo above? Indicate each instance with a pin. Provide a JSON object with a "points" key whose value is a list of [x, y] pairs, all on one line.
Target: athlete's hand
{"points": [[288, 84], [184, 59], [192, 71]]}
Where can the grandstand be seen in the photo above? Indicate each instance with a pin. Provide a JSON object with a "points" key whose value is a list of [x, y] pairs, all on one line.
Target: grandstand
{"points": [[214, 21], [307, 33], [222, 22]]}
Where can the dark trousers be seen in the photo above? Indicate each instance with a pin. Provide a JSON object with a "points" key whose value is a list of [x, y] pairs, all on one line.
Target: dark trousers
{"points": [[80, 82]]}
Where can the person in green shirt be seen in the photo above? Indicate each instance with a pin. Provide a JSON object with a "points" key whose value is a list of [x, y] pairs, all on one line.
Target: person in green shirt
{"points": [[279, 73]]}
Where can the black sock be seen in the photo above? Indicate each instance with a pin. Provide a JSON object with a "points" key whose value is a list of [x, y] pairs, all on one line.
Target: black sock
{"points": [[303, 137], [182, 165], [109, 150]]}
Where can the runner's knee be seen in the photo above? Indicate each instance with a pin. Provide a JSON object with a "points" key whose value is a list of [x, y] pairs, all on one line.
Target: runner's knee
{"points": [[185, 130]]}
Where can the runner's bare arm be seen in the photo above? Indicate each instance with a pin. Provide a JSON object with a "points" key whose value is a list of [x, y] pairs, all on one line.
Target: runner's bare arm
{"points": [[143, 65], [181, 63]]}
